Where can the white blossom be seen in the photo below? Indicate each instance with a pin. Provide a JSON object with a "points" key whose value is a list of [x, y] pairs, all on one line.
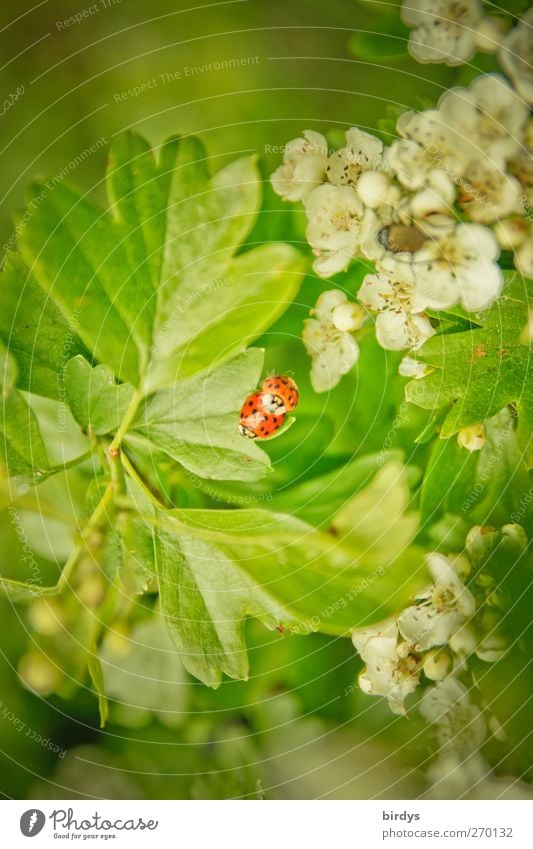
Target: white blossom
{"points": [[445, 29], [304, 166], [486, 119], [390, 670], [460, 724], [516, 56], [390, 295], [399, 330], [363, 152], [441, 609], [333, 351], [416, 166], [452, 775], [488, 193], [458, 267], [334, 215]]}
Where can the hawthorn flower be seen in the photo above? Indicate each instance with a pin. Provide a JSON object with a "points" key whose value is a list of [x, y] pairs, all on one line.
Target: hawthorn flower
{"points": [[328, 340], [416, 166], [445, 29], [441, 610], [391, 670], [460, 724], [487, 193], [516, 56], [457, 267], [304, 165], [363, 152], [486, 119], [397, 327], [334, 215]]}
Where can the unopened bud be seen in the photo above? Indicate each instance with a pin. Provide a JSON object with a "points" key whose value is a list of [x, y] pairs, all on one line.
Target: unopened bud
{"points": [[489, 34], [437, 664], [46, 617], [472, 438], [347, 317], [92, 590], [38, 673]]}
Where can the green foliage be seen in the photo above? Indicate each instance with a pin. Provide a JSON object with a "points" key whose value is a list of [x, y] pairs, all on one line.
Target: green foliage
{"points": [[157, 302], [479, 371]]}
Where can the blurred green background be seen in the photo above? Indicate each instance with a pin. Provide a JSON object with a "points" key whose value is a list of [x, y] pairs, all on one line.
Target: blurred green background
{"points": [[299, 728]]}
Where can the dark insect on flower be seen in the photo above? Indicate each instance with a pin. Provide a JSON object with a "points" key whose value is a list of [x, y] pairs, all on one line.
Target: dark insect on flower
{"points": [[399, 238]]}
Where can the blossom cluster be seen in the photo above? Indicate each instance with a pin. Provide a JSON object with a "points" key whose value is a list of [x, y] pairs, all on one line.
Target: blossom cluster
{"points": [[451, 31], [431, 212], [429, 644]]}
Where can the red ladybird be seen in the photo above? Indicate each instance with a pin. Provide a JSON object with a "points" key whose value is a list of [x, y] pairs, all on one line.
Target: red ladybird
{"points": [[280, 394], [256, 422]]}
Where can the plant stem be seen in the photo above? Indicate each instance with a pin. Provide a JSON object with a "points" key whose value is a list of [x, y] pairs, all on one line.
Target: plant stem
{"points": [[126, 422]]}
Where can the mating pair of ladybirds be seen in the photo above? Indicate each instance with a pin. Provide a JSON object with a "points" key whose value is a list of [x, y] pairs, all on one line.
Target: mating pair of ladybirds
{"points": [[264, 411]]}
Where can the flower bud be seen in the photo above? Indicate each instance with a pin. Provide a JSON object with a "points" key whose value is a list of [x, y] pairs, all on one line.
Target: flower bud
{"points": [[437, 664], [117, 640], [463, 642], [489, 34], [38, 673], [376, 188], [472, 437], [92, 590], [492, 648], [480, 542], [46, 617], [511, 232], [348, 317]]}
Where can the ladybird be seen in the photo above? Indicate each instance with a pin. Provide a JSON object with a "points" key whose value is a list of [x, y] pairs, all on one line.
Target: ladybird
{"points": [[256, 422], [280, 394]]}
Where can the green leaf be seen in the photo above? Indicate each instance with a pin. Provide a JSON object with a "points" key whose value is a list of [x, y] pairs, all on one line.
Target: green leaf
{"points": [[34, 330], [225, 314], [154, 287], [318, 500], [74, 254], [138, 189], [482, 370], [361, 520], [22, 450], [144, 676], [482, 487], [96, 401], [218, 567], [97, 677], [196, 422]]}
